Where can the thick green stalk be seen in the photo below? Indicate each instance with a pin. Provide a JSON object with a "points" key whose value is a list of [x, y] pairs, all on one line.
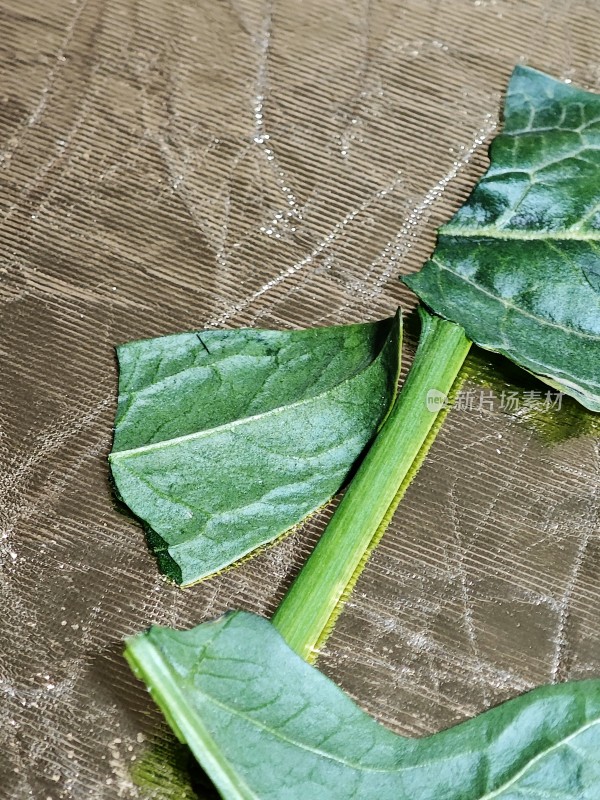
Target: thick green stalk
{"points": [[310, 604]]}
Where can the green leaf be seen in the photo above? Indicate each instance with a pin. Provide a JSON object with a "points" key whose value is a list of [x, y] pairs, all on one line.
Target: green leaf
{"points": [[267, 726], [518, 266], [226, 439]]}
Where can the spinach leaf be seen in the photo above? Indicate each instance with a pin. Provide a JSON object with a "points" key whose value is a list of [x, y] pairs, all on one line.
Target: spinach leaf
{"points": [[517, 270], [226, 439], [518, 265], [267, 726]]}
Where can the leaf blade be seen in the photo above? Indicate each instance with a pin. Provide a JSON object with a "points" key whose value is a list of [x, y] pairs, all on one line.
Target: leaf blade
{"points": [[286, 730], [219, 467], [517, 265]]}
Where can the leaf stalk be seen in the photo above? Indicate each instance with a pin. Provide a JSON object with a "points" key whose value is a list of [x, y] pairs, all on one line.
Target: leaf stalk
{"points": [[313, 602]]}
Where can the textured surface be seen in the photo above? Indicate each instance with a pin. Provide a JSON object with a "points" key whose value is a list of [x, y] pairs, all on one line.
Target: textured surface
{"points": [[224, 440], [266, 725], [167, 166], [518, 265]]}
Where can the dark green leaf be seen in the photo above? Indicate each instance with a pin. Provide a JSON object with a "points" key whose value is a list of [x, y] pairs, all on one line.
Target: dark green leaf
{"points": [[226, 439], [266, 726], [518, 266]]}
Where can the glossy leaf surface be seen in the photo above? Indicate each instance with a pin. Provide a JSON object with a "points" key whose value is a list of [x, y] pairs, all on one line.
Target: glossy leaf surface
{"points": [[267, 726], [226, 439], [518, 266]]}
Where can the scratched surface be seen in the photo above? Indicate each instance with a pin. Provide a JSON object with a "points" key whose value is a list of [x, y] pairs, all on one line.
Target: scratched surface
{"points": [[166, 165]]}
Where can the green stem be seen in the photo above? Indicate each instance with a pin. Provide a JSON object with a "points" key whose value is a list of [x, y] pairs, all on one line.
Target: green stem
{"points": [[306, 612]]}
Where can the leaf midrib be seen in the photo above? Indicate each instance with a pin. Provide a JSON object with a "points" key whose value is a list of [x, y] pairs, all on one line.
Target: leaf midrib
{"points": [[397, 770], [517, 309], [232, 424], [506, 234], [539, 757], [166, 684]]}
